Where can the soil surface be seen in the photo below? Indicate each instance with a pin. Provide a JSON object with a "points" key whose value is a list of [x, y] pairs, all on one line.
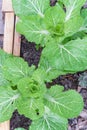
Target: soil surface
{"points": [[70, 81]]}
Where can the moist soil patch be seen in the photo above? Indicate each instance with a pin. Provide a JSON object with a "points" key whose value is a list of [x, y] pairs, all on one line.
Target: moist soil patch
{"points": [[69, 81]]}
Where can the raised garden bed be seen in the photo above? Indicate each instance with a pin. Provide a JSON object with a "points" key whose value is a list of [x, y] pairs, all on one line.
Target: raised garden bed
{"points": [[32, 56]]}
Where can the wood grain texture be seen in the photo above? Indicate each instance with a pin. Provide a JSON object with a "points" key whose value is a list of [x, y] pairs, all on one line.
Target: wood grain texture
{"points": [[1, 21], [7, 6], [8, 32], [5, 125], [17, 41]]}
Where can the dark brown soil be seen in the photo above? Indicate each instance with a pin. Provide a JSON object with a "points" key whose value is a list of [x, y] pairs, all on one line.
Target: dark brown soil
{"points": [[70, 81], [30, 53], [19, 121]]}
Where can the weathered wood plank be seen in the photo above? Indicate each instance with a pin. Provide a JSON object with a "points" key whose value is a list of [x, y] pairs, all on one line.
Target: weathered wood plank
{"points": [[5, 126], [8, 32], [1, 21], [7, 6], [17, 41]]}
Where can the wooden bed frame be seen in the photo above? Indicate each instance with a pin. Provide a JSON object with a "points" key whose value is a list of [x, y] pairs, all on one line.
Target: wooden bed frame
{"points": [[11, 41]]}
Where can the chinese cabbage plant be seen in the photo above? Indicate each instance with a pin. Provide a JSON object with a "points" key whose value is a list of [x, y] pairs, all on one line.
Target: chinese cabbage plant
{"points": [[62, 32], [23, 88]]}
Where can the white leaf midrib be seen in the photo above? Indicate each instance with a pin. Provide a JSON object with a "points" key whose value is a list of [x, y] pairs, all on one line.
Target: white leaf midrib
{"points": [[70, 10], [10, 99], [68, 52], [52, 100], [38, 10], [35, 8], [36, 29]]}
